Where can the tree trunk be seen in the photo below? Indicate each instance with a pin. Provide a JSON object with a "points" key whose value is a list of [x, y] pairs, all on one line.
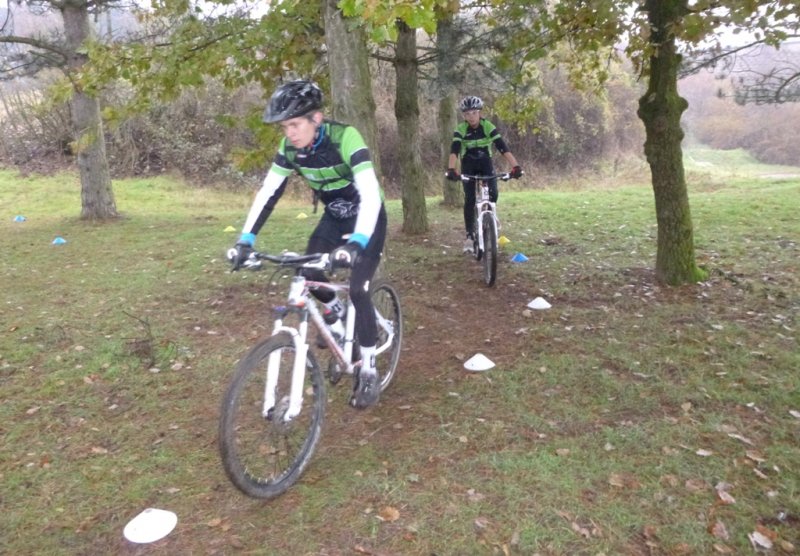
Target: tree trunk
{"points": [[351, 85], [97, 197], [660, 109], [406, 109], [453, 192]]}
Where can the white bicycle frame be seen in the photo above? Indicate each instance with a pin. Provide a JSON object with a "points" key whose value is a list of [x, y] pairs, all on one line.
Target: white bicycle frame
{"points": [[307, 306], [485, 209]]}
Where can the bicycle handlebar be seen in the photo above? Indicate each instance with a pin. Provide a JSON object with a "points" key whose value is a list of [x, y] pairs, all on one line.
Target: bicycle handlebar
{"points": [[319, 261], [503, 177]]}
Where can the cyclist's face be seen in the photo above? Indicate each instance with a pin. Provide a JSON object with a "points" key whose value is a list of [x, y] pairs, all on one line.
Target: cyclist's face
{"points": [[301, 131], [472, 117]]}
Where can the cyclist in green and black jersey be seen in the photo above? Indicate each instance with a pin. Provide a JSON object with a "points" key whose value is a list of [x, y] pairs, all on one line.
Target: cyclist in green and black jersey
{"points": [[335, 162], [472, 144]]}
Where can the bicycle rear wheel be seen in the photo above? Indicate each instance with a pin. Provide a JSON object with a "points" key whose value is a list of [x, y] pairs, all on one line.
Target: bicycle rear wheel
{"points": [[489, 249], [263, 455], [389, 319]]}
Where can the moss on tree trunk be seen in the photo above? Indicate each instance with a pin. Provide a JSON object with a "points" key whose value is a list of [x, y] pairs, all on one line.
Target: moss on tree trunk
{"points": [[452, 192], [97, 196], [660, 110], [352, 101], [406, 109]]}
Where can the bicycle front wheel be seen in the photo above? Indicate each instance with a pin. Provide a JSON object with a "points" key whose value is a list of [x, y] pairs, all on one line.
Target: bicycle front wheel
{"points": [[263, 451], [489, 249], [389, 320]]}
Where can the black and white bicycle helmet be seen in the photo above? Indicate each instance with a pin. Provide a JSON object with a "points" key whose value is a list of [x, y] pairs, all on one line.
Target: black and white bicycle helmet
{"points": [[293, 99], [471, 103]]}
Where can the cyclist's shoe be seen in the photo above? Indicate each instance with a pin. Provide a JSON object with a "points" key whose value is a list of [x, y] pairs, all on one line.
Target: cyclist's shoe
{"points": [[367, 390], [469, 244]]}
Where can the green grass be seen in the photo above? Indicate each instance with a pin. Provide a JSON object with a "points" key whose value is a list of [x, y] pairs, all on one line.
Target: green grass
{"points": [[586, 438]]}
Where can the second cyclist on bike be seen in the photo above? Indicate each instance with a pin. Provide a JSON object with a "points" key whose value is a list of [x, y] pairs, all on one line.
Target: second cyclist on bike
{"points": [[335, 162], [472, 145]]}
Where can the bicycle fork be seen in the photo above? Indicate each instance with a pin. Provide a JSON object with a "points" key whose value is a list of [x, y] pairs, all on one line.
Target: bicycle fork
{"points": [[486, 209], [298, 371], [298, 336]]}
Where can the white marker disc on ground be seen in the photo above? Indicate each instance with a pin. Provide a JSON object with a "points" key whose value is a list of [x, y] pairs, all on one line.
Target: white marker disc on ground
{"points": [[478, 362], [150, 525], [539, 303]]}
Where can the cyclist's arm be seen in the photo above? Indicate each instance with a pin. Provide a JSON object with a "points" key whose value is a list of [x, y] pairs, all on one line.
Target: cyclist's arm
{"points": [[510, 158], [451, 162], [271, 190], [369, 206], [356, 153]]}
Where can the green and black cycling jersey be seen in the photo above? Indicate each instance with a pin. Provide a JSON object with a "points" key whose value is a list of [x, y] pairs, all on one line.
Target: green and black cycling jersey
{"points": [[338, 167], [475, 143]]}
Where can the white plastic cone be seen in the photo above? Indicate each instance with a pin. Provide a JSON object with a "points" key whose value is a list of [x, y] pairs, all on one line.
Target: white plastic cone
{"points": [[150, 525], [478, 362], [539, 303]]}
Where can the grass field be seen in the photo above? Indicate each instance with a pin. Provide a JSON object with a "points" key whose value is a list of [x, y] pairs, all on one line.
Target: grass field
{"points": [[627, 419]]}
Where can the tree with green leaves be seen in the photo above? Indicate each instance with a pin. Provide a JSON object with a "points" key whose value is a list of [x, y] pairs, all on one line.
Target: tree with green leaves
{"points": [[658, 35], [66, 52]]}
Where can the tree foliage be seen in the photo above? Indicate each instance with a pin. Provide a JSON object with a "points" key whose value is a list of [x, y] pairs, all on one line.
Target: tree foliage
{"points": [[64, 48]]}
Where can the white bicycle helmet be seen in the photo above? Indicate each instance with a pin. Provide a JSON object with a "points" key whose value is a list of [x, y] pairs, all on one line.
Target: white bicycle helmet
{"points": [[470, 103]]}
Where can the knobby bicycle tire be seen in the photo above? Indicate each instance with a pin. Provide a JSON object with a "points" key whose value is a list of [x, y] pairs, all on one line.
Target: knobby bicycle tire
{"points": [[264, 456], [387, 306], [490, 249]]}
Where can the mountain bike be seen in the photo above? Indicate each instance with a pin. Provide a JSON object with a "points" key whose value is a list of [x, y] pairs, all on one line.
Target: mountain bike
{"points": [[274, 408], [485, 229]]}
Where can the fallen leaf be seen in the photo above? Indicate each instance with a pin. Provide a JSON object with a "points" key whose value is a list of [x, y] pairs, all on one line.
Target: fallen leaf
{"points": [[794, 413], [786, 546], [623, 480], [562, 452], [759, 473], [695, 485], [481, 523], [718, 530], [768, 533], [759, 541], [99, 450], [725, 498], [755, 455], [214, 522], [33, 410], [742, 438], [473, 496], [389, 514], [582, 531], [722, 549], [669, 480], [704, 453]]}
